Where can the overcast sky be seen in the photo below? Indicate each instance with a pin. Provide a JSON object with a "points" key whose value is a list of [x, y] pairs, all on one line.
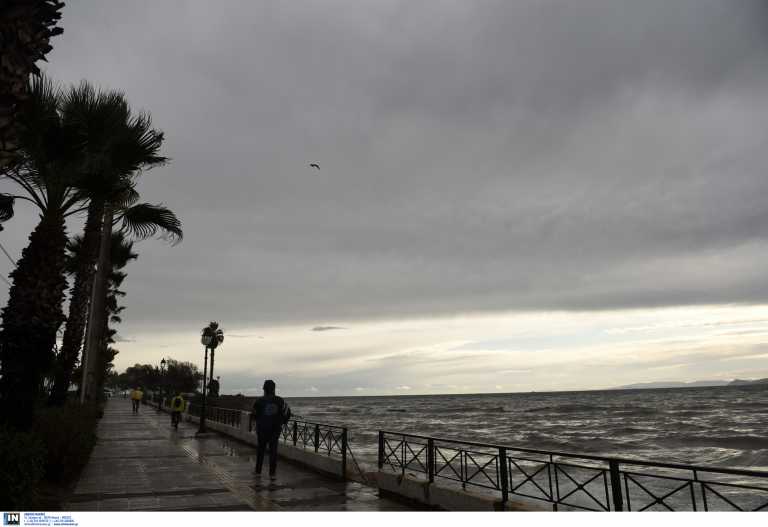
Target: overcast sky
{"points": [[504, 187]]}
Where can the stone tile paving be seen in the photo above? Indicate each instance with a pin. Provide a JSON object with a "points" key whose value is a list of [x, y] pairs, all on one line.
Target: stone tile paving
{"points": [[141, 464]]}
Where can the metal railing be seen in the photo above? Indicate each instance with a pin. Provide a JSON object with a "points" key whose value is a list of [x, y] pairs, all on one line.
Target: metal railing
{"points": [[225, 416], [329, 440], [574, 481], [325, 439]]}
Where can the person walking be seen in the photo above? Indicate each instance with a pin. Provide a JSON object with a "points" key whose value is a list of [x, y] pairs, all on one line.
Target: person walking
{"points": [[271, 413], [177, 406], [136, 396]]}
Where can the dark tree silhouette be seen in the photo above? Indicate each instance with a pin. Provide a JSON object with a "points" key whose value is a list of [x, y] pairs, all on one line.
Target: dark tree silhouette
{"points": [[179, 376], [48, 174], [26, 27], [119, 145]]}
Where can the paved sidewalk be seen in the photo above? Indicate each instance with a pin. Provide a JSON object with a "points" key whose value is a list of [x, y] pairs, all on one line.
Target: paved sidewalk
{"points": [[141, 464]]}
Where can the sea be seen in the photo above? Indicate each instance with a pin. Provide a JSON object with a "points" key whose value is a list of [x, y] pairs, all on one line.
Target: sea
{"points": [[714, 426]]}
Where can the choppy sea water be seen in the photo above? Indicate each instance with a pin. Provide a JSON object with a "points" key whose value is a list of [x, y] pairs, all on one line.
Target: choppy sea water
{"points": [[722, 426]]}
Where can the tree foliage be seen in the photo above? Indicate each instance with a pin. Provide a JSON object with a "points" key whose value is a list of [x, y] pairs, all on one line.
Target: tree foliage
{"points": [[26, 27], [179, 376]]}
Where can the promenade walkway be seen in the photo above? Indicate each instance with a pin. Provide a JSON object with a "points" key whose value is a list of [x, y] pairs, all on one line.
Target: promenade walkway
{"points": [[141, 464]]}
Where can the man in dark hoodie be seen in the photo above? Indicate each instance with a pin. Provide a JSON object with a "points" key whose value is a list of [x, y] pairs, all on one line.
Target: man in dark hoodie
{"points": [[271, 413]]}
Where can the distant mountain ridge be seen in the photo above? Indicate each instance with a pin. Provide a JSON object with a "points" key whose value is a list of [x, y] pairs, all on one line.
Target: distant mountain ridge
{"points": [[692, 384], [741, 382]]}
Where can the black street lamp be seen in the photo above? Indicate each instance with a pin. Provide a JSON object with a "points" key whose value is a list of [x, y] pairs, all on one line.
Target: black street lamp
{"points": [[162, 383], [213, 347]]}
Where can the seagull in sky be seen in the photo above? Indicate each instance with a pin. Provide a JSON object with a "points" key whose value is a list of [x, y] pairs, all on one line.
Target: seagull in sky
{"points": [[314, 165]]}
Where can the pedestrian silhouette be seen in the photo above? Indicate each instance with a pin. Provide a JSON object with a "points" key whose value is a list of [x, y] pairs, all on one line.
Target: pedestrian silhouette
{"points": [[271, 413], [177, 406], [136, 396]]}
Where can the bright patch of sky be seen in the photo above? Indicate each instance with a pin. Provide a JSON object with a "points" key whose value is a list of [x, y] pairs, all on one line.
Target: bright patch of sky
{"points": [[471, 354]]}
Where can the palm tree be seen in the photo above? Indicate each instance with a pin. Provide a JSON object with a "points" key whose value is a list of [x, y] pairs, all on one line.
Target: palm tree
{"points": [[217, 337], [26, 27], [211, 337], [69, 153], [118, 145], [48, 172]]}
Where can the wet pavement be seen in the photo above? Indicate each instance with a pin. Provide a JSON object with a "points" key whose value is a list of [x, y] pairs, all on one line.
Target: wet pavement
{"points": [[141, 464]]}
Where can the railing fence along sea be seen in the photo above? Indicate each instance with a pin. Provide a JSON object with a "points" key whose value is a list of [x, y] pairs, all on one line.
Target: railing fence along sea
{"points": [[225, 416], [564, 480], [574, 481]]}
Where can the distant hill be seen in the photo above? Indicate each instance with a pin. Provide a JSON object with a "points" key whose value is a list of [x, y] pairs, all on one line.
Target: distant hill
{"points": [[672, 384], [742, 382], [693, 384]]}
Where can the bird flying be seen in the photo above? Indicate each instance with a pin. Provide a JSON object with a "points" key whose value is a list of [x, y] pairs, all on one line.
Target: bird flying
{"points": [[314, 165]]}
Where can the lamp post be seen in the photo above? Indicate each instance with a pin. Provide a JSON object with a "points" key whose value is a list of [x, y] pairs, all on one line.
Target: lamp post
{"points": [[213, 353], [162, 383], [205, 340]]}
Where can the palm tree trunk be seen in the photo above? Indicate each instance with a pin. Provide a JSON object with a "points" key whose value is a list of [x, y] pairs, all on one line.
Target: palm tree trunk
{"points": [[32, 318], [100, 366], [105, 357], [98, 312], [78, 303]]}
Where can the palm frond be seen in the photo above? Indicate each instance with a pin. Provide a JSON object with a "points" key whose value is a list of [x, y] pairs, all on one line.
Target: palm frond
{"points": [[6, 208], [125, 197], [119, 143], [145, 220], [121, 253], [140, 149], [97, 117], [74, 250], [49, 152], [215, 332]]}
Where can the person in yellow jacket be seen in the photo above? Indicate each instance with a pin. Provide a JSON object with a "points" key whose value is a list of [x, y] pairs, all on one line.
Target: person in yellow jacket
{"points": [[136, 396], [177, 406]]}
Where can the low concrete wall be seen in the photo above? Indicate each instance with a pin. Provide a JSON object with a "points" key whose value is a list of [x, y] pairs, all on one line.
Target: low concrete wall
{"points": [[305, 457], [310, 458], [443, 498]]}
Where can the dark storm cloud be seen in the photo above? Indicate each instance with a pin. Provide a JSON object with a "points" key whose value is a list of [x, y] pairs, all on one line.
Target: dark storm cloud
{"points": [[476, 155]]}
